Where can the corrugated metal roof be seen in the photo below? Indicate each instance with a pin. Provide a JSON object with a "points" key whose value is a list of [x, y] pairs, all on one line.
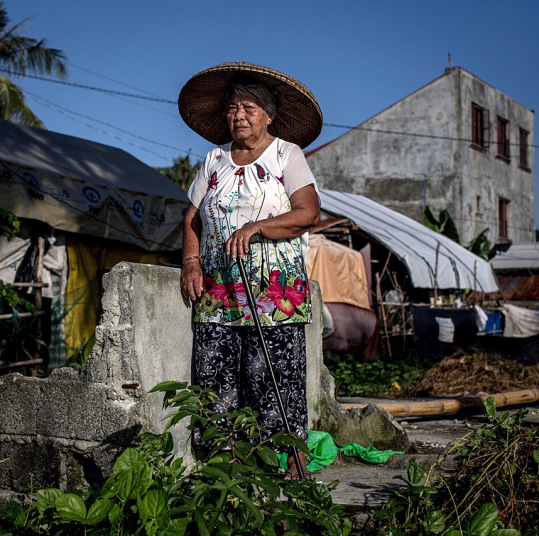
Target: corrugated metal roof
{"points": [[414, 244], [524, 255]]}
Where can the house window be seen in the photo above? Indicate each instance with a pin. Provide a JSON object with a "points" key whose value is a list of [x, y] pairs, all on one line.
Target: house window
{"points": [[480, 126], [523, 148], [503, 137], [503, 205], [478, 203]]}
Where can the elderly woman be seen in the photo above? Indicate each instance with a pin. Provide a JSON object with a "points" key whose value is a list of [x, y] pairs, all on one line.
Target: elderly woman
{"points": [[254, 198]]}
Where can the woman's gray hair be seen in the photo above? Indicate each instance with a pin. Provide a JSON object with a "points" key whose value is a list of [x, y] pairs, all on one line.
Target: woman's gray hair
{"points": [[253, 88]]}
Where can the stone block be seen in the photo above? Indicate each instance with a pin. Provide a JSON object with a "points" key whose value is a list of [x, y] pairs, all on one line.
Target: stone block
{"points": [[32, 461], [71, 408], [18, 400]]}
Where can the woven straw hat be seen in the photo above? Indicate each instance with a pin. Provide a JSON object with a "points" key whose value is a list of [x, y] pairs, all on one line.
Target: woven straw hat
{"points": [[202, 103]]}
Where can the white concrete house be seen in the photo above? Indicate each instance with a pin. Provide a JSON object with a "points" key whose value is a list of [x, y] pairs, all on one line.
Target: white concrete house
{"points": [[457, 144]]}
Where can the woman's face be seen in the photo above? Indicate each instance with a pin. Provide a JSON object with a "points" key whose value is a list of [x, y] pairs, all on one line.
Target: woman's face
{"points": [[247, 120]]}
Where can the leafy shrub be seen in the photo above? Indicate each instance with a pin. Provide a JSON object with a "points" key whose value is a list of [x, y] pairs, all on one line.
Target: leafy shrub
{"points": [[495, 486], [236, 489]]}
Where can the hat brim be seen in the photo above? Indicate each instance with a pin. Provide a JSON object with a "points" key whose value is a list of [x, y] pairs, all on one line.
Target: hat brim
{"points": [[202, 104]]}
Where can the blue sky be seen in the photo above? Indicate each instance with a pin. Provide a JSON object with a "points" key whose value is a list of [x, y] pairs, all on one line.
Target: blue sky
{"points": [[358, 57]]}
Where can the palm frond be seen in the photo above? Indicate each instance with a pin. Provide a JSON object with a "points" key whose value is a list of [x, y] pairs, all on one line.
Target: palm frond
{"points": [[13, 106]]}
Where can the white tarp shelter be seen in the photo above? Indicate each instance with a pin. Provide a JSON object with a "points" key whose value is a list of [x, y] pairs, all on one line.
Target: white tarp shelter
{"points": [[414, 244], [521, 256], [80, 186]]}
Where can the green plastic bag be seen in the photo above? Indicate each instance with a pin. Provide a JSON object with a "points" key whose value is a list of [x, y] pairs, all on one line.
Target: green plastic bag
{"points": [[369, 454], [323, 450]]}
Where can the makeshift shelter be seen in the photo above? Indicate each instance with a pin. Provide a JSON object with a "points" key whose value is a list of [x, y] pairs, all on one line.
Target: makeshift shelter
{"points": [[87, 206], [414, 264], [345, 283], [517, 269], [432, 259]]}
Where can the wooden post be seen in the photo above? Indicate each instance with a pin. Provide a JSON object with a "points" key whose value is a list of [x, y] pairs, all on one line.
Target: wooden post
{"points": [[436, 275], [38, 299], [381, 306], [474, 281]]}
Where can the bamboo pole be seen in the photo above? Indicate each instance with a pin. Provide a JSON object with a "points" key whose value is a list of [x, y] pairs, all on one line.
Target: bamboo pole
{"points": [[452, 405], [436, 274], [381, 303]]}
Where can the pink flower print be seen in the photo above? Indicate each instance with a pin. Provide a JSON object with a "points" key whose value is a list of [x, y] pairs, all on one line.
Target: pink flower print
{"points": [[213, 181], [218, 157], [285, 300], [274, 276], [216, 290]]}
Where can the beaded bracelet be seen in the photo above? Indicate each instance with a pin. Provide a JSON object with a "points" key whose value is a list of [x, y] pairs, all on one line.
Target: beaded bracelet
{"points": [[192, 257]]}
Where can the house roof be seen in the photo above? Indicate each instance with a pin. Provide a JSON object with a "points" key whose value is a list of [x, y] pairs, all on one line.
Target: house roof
{"points": [[414, 244], [520, 256], [84, 187]]}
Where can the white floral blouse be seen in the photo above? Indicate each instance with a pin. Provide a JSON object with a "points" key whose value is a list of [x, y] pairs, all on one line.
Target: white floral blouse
{"points": [[230, 196]]}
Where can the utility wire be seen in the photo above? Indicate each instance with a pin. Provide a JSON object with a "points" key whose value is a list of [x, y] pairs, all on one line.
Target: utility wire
{"points": [[113, 80], [123, 140], [413, 134], [60, 109], [93, 88], [335, 125]]}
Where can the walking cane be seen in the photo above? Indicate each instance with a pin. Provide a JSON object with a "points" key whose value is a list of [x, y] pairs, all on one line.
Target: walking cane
{"points": [[254, 314]]}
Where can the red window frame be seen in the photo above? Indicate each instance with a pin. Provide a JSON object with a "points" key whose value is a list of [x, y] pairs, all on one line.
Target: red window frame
{"points": [[523, 148], [503, 226]]}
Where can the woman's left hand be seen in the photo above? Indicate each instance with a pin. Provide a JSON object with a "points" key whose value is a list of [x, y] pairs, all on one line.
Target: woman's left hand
{"points": [[238, 243]]}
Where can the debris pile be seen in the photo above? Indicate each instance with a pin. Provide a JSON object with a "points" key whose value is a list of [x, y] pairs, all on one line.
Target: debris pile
{"points": [[464, 373]]}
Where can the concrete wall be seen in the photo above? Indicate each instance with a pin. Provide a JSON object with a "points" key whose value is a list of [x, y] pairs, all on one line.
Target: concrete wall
{"points": [[423, 139], [66, 430]]}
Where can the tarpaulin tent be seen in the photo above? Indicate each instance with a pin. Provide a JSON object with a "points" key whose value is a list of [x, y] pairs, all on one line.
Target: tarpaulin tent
{"points": [[101, 205], [84, 187], [423, 252]]}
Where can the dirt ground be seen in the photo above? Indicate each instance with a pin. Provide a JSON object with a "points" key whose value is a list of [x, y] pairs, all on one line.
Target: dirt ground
{"points": [[463, 374]]}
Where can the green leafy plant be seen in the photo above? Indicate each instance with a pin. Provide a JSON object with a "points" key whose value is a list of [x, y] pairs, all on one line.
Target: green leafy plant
{"points": [[9, 224], [80, 354], [444, 224], [376, 377], [500, 464], [494, 487], [413, 511], [235, 489]]}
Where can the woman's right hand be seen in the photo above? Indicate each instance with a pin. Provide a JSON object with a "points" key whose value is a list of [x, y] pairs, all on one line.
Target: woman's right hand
{"points": [[191, 279]]}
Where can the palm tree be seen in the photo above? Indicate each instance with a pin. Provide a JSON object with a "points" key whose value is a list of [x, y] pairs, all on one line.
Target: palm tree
{"points": [[18, 56]]}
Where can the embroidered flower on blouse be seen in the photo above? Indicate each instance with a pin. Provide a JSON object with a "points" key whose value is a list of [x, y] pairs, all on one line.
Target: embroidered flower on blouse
{"points": [[213, 181], [261, 173]]}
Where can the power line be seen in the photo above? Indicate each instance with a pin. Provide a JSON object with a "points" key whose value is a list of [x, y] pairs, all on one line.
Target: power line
{"points": [[93, 88], [123, 140], [113, 79], [335, 125], [413, 134], [60, 109]]}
